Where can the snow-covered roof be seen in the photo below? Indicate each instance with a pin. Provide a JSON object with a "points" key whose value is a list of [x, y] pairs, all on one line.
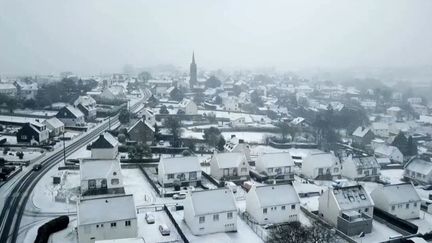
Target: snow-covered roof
{"points": [[364, 161], [419, 166], [275, 195], [361, 131], [385, 150], [380, 125], [212, 201], [106, 209], [105, 140], [297, 120], [139, 122], [85, 100], [54, 122], [394, 108], [7, 86], [352, 197], [321, 159], [185, 102], [97, 168], [229, 160], [272, 160], [393, 193], [74, 111], [180, 164]]}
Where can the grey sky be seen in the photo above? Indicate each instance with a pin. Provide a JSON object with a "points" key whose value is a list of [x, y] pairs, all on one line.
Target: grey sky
{"points": [[92, 36]]}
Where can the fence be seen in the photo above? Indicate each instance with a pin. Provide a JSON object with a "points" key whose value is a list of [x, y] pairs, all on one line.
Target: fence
{"points": [[180, 232], [259, 231], [150, 180], [211, 179]]}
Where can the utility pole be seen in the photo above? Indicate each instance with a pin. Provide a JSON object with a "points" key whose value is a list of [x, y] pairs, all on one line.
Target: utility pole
{"points": [[64, 148]]}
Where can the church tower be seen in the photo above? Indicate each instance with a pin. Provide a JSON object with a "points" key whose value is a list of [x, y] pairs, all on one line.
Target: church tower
{"points": [[193, 72]]}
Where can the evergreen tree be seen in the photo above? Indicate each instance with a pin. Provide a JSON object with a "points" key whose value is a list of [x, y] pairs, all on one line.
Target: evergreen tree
{"points": [[401, 142], [412, 147]]}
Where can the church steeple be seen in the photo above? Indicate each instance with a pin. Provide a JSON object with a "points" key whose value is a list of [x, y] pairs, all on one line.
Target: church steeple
{"points": [[193, 72]]}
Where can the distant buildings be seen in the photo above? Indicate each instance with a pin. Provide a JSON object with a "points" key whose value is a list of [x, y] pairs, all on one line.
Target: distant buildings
{"points": [[419, 171], [71, 116], [8, 89], [87, 105], [105, 147], [365, 168], [229, 166], [33, 133], [276, 165], [141, 131], [362, 136], [55, 126], [321, 166], [188, 107], [193, 72]]}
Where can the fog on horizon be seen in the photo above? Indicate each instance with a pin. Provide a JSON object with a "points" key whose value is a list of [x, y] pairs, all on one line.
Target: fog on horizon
{"points": [[93, 36]]}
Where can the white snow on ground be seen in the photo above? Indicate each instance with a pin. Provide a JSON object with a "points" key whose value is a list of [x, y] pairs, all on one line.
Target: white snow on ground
{"points": [[81, 153], [150, 232], [380, 232], [250, 137], [67, 235], [9, 139], [424, 223], [135, 183], [249, 118], [244, 233]]}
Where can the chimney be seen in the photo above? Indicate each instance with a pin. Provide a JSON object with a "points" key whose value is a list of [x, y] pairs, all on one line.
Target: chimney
{"points": [[233, 135]]}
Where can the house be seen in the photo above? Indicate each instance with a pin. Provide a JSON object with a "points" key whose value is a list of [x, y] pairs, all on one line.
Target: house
{"points": [[100, 177], [71, 116], [115, 92], [238, 145], [141, 131], [105, 147], [54, 126], [349, 209], [273, 204], [149, 116], [391, 152], [182, 170], [210, 211], [104, 218], [394, 111], [26, 91], [400, 200], [8, 89], [231, 104], [87, 105], [420, 109], [418, 171], [380, 129], [321, 166], [229, 166], [362, 136], [33, 133], [360, 167], [188, 107], [276, 165]]}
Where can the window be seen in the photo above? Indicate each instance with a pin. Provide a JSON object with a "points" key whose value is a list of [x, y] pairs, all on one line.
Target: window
{"points": [[216, 217], [415, 204], [320, 171], [359, 171], [283, 207], [201, 219], [226, 172], [278, 171], [393, 207], [243, 169], [170, 176], [104, 183], [407, 205], [293, 206], [229, 215], [336, 170], [23, 137], [115, 181], [193, 175], [127, 223], [264, 210], [270, 170], [235, 172], [92, 184], [113, 224], [366, 210], [114, 173]]}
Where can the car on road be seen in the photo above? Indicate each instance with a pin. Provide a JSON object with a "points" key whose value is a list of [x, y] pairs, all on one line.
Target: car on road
{"points": [[179, 196], [427, 188], [37, 167], [164, 230], [149, 217]]}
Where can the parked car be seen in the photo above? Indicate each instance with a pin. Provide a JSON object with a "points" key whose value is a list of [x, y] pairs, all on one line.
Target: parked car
{"points": [[149, 217], [427, 187], [37, 167], [179, 196], [161, 142], [164, 230]]}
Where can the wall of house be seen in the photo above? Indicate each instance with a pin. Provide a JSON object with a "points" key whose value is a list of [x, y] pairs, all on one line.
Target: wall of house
{"points": [[210, 226], [108, 153], [328, 208], [72, 122], [91, 233], [401, 210], [165, 181], [111, 181]]}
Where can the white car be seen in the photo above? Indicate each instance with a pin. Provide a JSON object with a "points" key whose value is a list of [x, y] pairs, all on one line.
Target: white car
{"points": [[149, 217], [164, 230], [179, 196], [230, 185]]}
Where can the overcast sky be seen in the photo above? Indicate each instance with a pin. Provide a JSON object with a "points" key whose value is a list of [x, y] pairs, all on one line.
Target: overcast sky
{"points": [[93, 36]]}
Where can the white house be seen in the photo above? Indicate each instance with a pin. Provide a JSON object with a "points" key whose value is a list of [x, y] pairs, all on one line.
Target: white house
{"points": [[55, 126], [273, 204], [361, 168], [394, 111], [278, 165], [237, 145], [149, 116], [114, 92], [391, 152], [210, 211], [188, 107], [27, 90], [321, 166], [350, 209], [231, 103], [8, 89], [105, 147], [104, 218], [87, 105], [229, 166], [419, 170], [100, 176], [182, 170], [71, 116], [380, 129], [400, 200]]}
